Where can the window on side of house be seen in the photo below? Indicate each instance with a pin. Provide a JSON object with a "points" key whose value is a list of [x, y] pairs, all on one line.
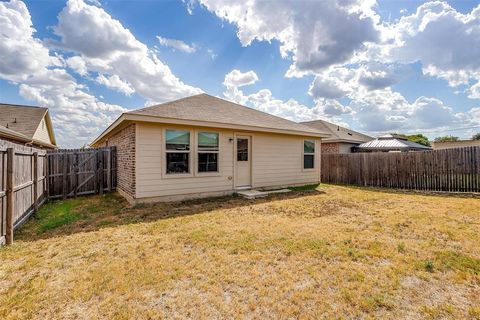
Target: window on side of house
{"points": [[308, 154], [177, 147], [207, 149]]}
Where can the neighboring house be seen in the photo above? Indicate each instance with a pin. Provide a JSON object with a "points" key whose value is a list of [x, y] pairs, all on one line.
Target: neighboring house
{"points": [[205, 146], [390, 143], [27, 126], [341, 139], [455, 144]]}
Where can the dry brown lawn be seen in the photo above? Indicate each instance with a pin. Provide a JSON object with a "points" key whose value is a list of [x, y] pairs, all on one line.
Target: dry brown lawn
{"points": [[337, 252]]}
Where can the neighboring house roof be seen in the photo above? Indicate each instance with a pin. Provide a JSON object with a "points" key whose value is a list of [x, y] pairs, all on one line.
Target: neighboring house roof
{"points": [[25, 120], [338, 133], [455, 144], [10, 134], [390, 142], [209, 111]]}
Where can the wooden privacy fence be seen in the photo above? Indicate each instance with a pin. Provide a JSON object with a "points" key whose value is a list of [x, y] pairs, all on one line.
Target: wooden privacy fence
{"points": [[75, 172], [29, 176], [454, 170], [22, 186]]}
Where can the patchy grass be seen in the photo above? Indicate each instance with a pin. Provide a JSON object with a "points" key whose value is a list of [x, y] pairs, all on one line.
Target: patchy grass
{"points": [[334, 252]]}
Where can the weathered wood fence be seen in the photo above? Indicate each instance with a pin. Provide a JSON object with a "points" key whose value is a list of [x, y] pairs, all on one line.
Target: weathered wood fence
{"points": [[29, 176], [22, 186], [75, 172], [454, 170]]}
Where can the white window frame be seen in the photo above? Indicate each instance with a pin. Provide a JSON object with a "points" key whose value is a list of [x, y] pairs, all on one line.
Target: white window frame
{"points": [[189, 152], [308, 154], [197, 151]]}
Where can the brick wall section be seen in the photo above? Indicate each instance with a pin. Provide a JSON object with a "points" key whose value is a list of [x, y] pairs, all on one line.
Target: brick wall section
{"points": [[124, 141], [330, 147]]}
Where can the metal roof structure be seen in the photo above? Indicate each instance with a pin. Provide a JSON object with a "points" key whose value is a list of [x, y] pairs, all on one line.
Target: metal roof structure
{"points": [[390, 142]]}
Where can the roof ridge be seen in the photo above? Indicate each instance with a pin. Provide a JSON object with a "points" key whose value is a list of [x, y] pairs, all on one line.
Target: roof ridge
{"points": [[223, 100], [21, 105], [166, 102]]}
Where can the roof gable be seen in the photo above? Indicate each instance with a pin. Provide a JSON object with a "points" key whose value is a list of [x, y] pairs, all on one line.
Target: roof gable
{"points": [[21, 119], [206, 108]]}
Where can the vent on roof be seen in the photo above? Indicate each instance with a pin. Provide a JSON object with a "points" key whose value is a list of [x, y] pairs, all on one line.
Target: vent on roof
{"points": [[349, 134], [338, 128]]}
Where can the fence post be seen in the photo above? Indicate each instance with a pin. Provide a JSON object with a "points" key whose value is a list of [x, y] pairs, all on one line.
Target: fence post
{"points": [[101, 171], [64, 175], [109, 170], [75, 173], [35, 182], [46, 173], [10, 193]]}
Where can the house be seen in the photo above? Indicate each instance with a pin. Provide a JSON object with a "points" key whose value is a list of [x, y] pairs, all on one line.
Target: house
{"points": [[341, 140], [390, 143], [26, 125], [205, 146], [455, 144]]}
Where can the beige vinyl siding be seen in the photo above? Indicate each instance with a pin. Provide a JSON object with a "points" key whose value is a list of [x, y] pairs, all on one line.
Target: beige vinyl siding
{"points": [[278, 161], [346, 147], [151, 179], [41, 134]]}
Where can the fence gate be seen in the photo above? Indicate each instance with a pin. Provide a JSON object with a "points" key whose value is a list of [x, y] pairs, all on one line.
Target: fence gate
{"points": [[75, 172]]}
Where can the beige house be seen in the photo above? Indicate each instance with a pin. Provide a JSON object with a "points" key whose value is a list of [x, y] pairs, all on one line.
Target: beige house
{"points": [[455, 144], [341, 139], [204, 146], [27, 125]]}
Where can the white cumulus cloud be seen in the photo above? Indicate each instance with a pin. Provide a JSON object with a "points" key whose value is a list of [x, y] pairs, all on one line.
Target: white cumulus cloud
{"points": [[77, 115], [316, 34], [108, 48], [176, 44], [114, 82]]}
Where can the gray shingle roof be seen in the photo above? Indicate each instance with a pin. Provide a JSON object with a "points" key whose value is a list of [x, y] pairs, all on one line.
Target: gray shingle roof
{"points": [[338, 133], [21, 119], [7, 133], [204, 107]]}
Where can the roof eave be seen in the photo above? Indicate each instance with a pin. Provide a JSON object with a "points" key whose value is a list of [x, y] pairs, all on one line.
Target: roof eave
{"points": [[327, 140], [49, 122], [131, 116], [15, 136]]}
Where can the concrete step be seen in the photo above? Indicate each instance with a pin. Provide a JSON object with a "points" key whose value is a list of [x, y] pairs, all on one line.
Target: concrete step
{"points": [[254, 194]]}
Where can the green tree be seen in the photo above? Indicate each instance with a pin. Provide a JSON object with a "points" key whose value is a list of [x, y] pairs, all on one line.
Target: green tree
{"points": [[418, 138], [476, 136], [446, 138]]}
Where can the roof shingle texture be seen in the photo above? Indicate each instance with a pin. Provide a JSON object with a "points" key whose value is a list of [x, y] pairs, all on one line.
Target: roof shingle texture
{"points": [[21, 119], [337, 133], [204, 107]]}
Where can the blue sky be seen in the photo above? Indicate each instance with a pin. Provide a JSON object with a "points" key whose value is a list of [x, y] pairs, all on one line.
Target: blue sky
{"points": [[392, 66]]}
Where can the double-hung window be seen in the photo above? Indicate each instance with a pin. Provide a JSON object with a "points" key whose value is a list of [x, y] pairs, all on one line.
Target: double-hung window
{"points": [[177, 151], [207, 148], [308, 154]]}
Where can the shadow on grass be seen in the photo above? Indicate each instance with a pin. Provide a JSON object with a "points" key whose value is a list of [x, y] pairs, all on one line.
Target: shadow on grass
{"points": [[84, 214], [443, 194]]}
